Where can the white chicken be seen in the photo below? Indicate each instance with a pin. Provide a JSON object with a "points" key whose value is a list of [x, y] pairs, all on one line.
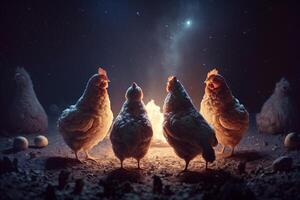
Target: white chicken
{"points": [[279, 113], [131, 131], [86, 123], [184, 127]]}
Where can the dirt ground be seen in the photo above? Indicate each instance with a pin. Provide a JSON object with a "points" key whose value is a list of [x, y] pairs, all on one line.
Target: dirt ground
{"points": [[53, 173]]}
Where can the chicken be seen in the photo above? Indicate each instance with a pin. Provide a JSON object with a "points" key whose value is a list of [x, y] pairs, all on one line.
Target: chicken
{"points": [[279, 112], [184, 127], [86, 123], [131, 131], [223, 111], [21, 111]]}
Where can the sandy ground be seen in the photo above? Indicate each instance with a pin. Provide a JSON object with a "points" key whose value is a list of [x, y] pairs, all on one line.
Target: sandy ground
{"points": [[53, 173]]}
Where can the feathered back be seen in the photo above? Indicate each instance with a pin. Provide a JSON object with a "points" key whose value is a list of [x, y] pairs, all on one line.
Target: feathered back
{"points": [[177, 98]]}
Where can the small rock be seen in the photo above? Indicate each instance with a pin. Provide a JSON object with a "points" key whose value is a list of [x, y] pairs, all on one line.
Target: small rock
{"points": [[40, 141], [79, 184], [6, 165], [20, 143], [50, 193], [63, 178], [157, 184], [167, 190], [283, 163], [235, 190], [126, 187], [275, 147], [292, 141], [241, 166], [32, 155]]}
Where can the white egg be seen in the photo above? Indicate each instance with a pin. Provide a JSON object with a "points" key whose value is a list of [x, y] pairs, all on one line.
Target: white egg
{"points": [[40, 141], [20, 143]]}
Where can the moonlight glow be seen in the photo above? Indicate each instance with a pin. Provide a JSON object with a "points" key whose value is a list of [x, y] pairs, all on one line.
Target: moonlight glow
{"points": [[188, 23]]}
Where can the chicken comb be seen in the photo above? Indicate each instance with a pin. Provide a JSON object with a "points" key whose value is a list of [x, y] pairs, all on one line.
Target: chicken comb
{"points": [[101, 71], [171, 78], [212, 72]]}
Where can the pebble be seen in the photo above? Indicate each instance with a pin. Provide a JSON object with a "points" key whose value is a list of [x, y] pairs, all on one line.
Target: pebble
{"points": [[32, 155], [20, 143], [241, 166], [157, 184], [40, 141], [79, 184], [292, 141], [283, 163], [50, 193], [63, 178], [6, 165]]}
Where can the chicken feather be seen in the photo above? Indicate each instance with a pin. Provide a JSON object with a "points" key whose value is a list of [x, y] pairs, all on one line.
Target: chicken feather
{"points": [[131, 131], [223, 111], [86, 123], [184, 128]]}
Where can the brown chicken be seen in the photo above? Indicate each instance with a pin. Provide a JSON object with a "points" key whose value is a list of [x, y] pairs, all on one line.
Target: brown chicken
{"points": [[86, 123], [223, 111], [131, 131], [184, 127]]}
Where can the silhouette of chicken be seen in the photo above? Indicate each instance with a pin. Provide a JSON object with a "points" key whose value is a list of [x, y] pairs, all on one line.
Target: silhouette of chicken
{"points": [[223, 111], [184, 127], [131, 131], [279, 113], [86, 123]]}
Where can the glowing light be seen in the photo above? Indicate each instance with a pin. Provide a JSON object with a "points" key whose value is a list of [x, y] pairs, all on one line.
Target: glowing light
{"points": [[188, 23], [156, 117]]}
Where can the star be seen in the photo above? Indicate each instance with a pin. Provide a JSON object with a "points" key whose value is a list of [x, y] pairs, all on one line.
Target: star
{"points": [[188, 23]]}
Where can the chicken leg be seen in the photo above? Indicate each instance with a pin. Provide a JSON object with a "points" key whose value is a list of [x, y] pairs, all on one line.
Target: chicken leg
{"points": [[89, 157], [121, 164], [138, 161], [186, 165], [232, 151], [77, 157]]}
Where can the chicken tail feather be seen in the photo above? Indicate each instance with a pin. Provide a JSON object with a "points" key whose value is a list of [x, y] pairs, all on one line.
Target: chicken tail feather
{"points": [[208, 153]]}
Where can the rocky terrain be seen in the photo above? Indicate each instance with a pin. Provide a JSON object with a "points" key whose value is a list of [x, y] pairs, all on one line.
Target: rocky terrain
{"points": [[53, 173]]}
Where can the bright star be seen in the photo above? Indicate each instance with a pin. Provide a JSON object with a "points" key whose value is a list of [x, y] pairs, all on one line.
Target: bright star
{"points": [[188, 23]]}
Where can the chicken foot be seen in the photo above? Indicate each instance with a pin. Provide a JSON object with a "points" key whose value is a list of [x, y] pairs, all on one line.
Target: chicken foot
{"points": [[77, 157], [89, 157]]}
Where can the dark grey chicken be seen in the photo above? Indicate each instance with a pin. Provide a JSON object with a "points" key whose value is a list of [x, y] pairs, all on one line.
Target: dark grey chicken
{"points": [[184, 127], [131, 131]]}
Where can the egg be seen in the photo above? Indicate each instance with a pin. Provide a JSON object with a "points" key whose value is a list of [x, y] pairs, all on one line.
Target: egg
{"points": [[20, 143], [40, 141], [292, 141]]}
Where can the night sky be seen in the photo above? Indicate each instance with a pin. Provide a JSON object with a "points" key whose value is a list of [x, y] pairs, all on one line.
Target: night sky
{"points": [[62, 44]]}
